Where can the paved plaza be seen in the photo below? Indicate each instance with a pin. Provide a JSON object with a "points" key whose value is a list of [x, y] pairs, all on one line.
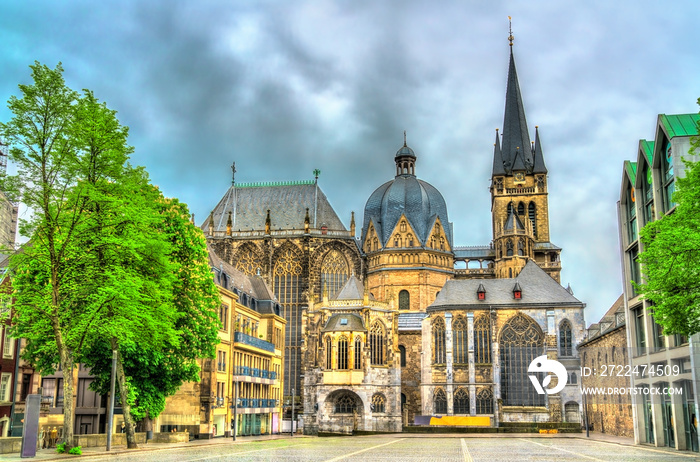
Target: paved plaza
{"points": [[391, 448]]}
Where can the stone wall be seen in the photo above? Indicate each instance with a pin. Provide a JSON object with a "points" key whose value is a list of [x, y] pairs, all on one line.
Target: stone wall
{"points": [[410, 374]]}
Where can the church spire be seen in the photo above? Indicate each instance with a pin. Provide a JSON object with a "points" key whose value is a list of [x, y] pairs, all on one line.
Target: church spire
{"points": [[497, 159], [538, 166], [516, 139]]}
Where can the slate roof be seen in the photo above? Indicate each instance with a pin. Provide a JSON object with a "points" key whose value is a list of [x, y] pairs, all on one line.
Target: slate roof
{"points": [[353, 322], [287, 202], [351, 290], [477, 251], [410, 321], [538, 290], [406, 195]]}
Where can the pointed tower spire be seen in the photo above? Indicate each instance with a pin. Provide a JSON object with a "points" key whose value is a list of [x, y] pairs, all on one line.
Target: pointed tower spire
{"points": [[538, 166], [497, 159], [515, 134]]}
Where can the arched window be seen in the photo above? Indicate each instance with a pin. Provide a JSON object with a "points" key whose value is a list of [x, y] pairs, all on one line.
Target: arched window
{"points": [[439, 341], [521, 209], [329, 353], [357, 364], [461, 401], [484, 401], [460, 346], [571, 412], [343, 353], [482, 340], [377, 344], [334, 272], [288, 288], [345, 404], [509, 248], [532, 213], [572, 378], [521, 247], [378, 403], [565, 342], [521, 341], [404, 300], [440, 402], [402, 354], [510, 209], [248, 260]]}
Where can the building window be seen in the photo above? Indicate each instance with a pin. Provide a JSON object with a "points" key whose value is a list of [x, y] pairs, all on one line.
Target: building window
{"points": [[509, 248], [532, 213], [460, 342], [248, 261], [657, 335], [439, 341], [288, 289], [377, 344], [521, 342], [521, 247], [358, 353], [668, 177], [521, 209], [440, 402], [635, 272], [345, 404], [7, 346], [484, 401], [482, 340], [329, 353], [343, 353], [638, 314], [334, 272], [223, 316], [221, 361], [404, 300], [461, 401], [402, 355], [378, 403], [5, 379], [648, 194], [631, 215], [572, 378], [565, 340]]}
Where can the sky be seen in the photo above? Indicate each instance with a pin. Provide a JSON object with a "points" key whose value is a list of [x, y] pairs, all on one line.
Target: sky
{"points": [[283, 88]]}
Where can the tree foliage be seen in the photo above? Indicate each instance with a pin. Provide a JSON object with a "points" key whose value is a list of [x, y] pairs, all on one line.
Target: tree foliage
{"points": [[671, 258]]}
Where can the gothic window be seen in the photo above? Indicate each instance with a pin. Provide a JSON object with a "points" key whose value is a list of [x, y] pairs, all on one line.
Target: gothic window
{"points": [[343, 353], [357, 364], [403, 226], [442, 243], [509, 248], [345, 404], [329, 353], [248, 261], [499, 185], [334, 272], [540, 183], [565, 340], [461, 401], [440, 402], [510, 209], [287, 287], [532, 213], [521, 209], [484, 401], [396, 242], [410, 240], [377, 344], [404, 300], [378, 403], [402, 355], [521, 247], [459, 334], [375, 245], [482, 340], [439, 341], [521, 341]]}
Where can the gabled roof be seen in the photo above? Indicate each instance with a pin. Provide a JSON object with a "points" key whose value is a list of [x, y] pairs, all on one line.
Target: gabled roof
{"points": [[631, 170], [647, 147], [538, 290], [287, 202], [344, 322], [680, 124], [351, 290]]}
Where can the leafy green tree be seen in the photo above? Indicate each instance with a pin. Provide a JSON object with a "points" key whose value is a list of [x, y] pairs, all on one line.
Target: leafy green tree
{"points": [[671, 258]]}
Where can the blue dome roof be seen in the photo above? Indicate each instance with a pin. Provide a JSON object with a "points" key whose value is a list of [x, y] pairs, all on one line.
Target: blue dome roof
{"points": [[405, 151], [421, 202]]}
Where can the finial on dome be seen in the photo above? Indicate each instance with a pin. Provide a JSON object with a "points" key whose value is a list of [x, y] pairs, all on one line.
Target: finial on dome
{"points": [[404, 138], [510, 31]]}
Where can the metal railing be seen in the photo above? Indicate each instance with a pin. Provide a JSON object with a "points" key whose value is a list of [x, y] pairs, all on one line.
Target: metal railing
{"points": [[256, 403], [254, 372], [254, 342]]}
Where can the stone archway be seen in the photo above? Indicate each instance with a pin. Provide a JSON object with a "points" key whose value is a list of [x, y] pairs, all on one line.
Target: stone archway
{"points": [[342, 412]]}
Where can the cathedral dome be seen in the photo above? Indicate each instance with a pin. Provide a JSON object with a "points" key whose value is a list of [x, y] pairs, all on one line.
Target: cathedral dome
{"points": [[418, 200]]}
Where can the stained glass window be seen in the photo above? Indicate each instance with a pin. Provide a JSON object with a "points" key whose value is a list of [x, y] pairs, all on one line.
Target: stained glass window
{"points": [[440, 402], [342, 353], [248, 260], [565, 342], [482, 340], [334, 272], [484, 401], [378, 403], [460, 347], [439, 341], [461, 401], [377, 344], [357, 364], [404, 300], [345, 404], [521, 342], [287, 288]]}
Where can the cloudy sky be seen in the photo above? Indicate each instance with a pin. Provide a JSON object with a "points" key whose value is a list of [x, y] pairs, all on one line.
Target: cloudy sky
{"points": [[282, 88]]}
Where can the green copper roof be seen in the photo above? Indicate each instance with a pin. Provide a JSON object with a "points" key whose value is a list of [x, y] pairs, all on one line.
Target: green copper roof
{"points": [[680, 124], [631, 169], [648, 148]]}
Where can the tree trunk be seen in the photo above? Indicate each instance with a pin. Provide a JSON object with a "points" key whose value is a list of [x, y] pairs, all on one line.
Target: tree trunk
{"points": [[68, 392], [126, 407]]}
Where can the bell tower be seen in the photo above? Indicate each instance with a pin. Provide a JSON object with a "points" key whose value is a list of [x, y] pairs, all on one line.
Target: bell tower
{"points": [[519, 206]]}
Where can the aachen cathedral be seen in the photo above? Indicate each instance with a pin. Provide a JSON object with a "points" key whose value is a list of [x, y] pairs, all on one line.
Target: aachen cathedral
{"points": [[400, 325]]}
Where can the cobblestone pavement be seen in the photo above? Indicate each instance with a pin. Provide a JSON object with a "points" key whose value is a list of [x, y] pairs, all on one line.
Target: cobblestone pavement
{"points": [[400, 448]]}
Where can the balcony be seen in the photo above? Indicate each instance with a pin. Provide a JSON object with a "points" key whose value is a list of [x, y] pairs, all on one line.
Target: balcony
{"points": [[240, 337], [257, 404], [253, 374]]}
